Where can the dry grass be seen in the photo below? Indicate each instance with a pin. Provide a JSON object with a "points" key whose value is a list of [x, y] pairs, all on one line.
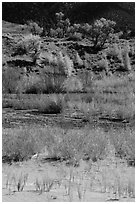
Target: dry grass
{"points": [[26, 45], [22, 143], [16, 181], [113, 97], [72, 145], [44, 185], [10, 79], [110, 177], [73, 84], [43, 103], [124, 144]]}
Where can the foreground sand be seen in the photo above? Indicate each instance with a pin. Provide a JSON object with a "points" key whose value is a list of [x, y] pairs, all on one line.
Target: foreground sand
{"points": [[106, 180]]}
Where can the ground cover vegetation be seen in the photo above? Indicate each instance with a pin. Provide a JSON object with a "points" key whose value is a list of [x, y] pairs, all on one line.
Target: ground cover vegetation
{"points": [[81, 71]]}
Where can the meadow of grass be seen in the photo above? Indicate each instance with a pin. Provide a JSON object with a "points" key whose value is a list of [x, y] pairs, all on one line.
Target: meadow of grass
{"points": [[43, 103], [73, 145], [22, 143], [14, 82], [111, 97], [16, 181], [124, 144], [110, 177]]}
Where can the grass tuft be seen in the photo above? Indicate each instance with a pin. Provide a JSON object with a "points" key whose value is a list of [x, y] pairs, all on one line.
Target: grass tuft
{"points": [[16, 181]]}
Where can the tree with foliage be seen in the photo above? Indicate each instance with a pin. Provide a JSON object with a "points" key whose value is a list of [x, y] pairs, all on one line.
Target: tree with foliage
{"points": [[99, 32], [62, 26]]}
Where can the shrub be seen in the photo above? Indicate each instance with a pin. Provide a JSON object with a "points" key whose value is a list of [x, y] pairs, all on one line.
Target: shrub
{"points": [[10, 79], [19, 104], [112, 97], [20, 144], [124, 143], [76, 36], [115, 53], [31, 84], [114, 111], [58, 63], [68, 65], [65, 64], [126, 59], [99, 32], [75, 144], [52, 81], [44, 184], [78, 60], [17, 180], [73, 84], [52, 33], [46, 58], [115, 97], [17, 147], [35, 29], [29, 44], [43, 83], [61, 27], [103, 65], [114, 84], [74, 33], [42, 103], [115, 37], [50, 106], [88, 98]]}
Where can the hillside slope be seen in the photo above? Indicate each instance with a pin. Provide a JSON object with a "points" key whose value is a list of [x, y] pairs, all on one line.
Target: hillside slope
{"points": [[44, 13]]}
